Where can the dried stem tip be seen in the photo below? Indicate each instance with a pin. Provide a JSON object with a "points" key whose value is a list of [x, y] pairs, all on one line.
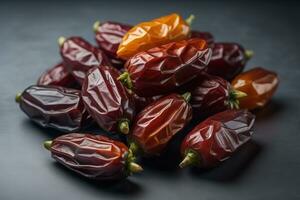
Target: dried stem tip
{"points": [[96, 25], [190, 19], [248, 54], [61, 40], [18, 97], [190, 158], [47, 144], [124, 126], [135, 168]]}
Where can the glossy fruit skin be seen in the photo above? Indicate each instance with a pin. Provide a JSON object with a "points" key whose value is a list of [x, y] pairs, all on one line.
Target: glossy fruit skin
{"points": [[109, 36], [57, 75], [208, 37], [163, 69], [147, 35], [142, 102], [79, 56], [155, 126], [227, 60], [55, 107], [106, 99], [260, 85], [210, 95], [218, 137], [92, 156]]}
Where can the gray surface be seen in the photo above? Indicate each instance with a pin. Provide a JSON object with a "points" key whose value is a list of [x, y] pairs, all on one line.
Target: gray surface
{"points": [[267, 168]]}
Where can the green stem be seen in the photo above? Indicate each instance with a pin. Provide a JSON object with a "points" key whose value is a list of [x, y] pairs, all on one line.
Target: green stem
{"points": [[124, 126], [191, 158], [61, 40], [239, 94], [234, 96], [190, 19], [18, 97], [187, 96], [131, 165], [96, 25], [47, 144], [134, 167], [248, 54], [133, 147], [125, 79]]}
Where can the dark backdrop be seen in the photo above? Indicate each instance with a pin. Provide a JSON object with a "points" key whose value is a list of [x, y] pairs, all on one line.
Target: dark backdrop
{"points": [[267, 168]]}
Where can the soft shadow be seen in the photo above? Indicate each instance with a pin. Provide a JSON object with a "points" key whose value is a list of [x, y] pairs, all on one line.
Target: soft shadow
{"points": [[124, 187], [53, 133], [233, 168], [271, 110]]}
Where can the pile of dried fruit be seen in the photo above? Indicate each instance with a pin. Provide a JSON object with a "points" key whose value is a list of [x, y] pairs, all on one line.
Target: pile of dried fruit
{"points": [[147, 82]]}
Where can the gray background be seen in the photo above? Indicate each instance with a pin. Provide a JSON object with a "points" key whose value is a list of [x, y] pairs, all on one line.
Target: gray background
{"points": [[267, 168]]}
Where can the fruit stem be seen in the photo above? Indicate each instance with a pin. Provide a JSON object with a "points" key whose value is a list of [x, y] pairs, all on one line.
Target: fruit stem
{"points": [[190, 19], [187, 96], [47, 144], [249, 54], [134, 167], [133, 147], [125, 79], [124, 126], [61, 40], [191, 158], [238, 94], [96, 25], [18, 97]]}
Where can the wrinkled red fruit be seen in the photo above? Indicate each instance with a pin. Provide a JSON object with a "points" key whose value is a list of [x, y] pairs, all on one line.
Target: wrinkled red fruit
{"points": [[54, 107], [106, 99], [57, 75], [156, 125], [109, 35], [228, 60], [79, 56], [212, 94], [93, 156], [217, 138], [163, 69]]}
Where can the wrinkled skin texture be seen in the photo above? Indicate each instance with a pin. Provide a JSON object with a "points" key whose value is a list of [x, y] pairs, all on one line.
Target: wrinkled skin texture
{"points": [[218, 137], [92, 156], [208, 37], [57, 75], [55, 107], [142, 102], [227, 60], [106, 98], [79, 56], [147, 35], [260, 85], [163, 69], [156, 125], [210, 95], [109, 36]]}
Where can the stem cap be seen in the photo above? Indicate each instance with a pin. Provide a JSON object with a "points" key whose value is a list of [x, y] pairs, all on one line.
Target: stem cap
{"points": [[249, 54], [47, 144], [190, 19], [124, 126], [61, 40], [191, 158], [18, 97], [96, 25]]}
